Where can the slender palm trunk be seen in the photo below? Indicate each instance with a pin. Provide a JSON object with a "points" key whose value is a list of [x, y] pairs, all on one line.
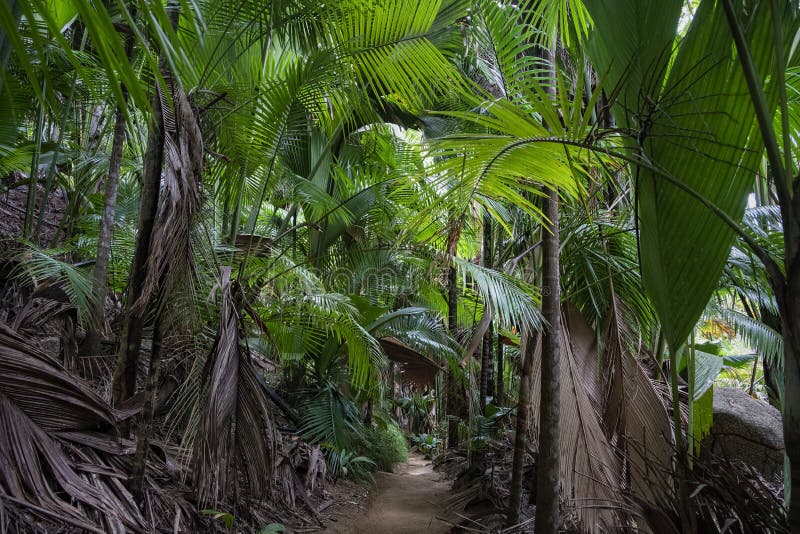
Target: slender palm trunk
{"points": [[789, 306], [548, 487], [128, 356], [33, 179], [500, 391], [145, 424], [487, 366], [522, 428], [455, 402], [100, 273], [145, 427], [486, 386]]}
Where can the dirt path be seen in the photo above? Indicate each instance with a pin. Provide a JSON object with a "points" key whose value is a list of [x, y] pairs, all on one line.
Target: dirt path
{"points": [[407, 501]]}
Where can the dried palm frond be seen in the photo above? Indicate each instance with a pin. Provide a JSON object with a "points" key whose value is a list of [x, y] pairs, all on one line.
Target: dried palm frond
{"points": [[54, 399], [589, 470], [725, 496], [38, 399], [236, 431], [171, 257], [634, 416]]}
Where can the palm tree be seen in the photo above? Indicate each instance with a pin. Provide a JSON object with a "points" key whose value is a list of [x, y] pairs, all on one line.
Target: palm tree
{"points": [[676, 196], [335, 173]]}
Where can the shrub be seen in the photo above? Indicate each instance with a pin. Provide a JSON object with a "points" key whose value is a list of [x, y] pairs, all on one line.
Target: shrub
{"points": [[427, 444], [386, 445]]}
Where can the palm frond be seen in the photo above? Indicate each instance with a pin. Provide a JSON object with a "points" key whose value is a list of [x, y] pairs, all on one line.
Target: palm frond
{"points": [[236, 420], [756, 335], [36, 266], [514, 303], [39, 399]]}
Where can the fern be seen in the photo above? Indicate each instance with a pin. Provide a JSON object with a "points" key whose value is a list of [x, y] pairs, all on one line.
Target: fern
{"points": [[35, 266]]}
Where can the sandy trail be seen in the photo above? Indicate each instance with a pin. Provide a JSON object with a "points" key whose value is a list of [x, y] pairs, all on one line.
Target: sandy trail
{"points": [[407, 501]]}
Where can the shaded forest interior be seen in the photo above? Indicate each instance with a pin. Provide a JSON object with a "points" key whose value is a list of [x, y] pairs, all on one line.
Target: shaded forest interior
{"points": [[257, 255]]}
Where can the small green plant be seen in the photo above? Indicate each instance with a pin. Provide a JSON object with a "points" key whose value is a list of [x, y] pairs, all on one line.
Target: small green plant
{"points": [[427, 444], [346, 463], [486, 427], [226, 518]]}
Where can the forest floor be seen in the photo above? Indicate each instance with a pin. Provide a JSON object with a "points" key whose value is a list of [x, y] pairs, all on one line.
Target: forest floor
{"points": [[410, 500]]}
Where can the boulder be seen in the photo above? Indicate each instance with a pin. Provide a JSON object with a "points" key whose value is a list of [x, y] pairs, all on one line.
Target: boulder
{"points": [[747, 430]]}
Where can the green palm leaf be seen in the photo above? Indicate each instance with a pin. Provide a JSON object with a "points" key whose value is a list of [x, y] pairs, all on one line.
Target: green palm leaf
{"points": [[694, 121]]}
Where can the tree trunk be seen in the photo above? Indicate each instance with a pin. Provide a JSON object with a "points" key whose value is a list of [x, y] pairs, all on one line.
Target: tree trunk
{"points": [[100, 273], [789, 305], [487, 367], [127, 363], [454, 391], [145, 424], [145, 427], [548, 483], [500, 392], [486, 389], [128, 356], [521, 435], [33, 179]]}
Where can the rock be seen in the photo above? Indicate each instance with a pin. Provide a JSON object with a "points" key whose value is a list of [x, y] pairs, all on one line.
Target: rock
{"points": [[746, 429]]}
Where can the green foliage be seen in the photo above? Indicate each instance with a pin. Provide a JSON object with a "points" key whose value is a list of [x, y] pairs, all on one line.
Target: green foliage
{"points": [[36, 266], [330, 418], [703, 412], [349, 464], [226, 518], [663, 95], [486, 427], [428, 444], [417, 407], [386, 445]]}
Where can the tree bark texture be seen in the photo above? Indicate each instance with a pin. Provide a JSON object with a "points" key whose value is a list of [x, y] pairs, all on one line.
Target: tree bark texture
{"points": [[522, 427], [548, 482], [127, 362]]}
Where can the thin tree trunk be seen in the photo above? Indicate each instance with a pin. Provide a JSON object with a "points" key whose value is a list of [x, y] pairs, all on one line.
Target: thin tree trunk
{"points": [[682, 463], [127, 363], [486, 389], [548, 488], [454, 393], [100, 273], [521, 435], [500, 393], [145, 427], [487, 367], [33, 179], [789, 306], [128, 356]]}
